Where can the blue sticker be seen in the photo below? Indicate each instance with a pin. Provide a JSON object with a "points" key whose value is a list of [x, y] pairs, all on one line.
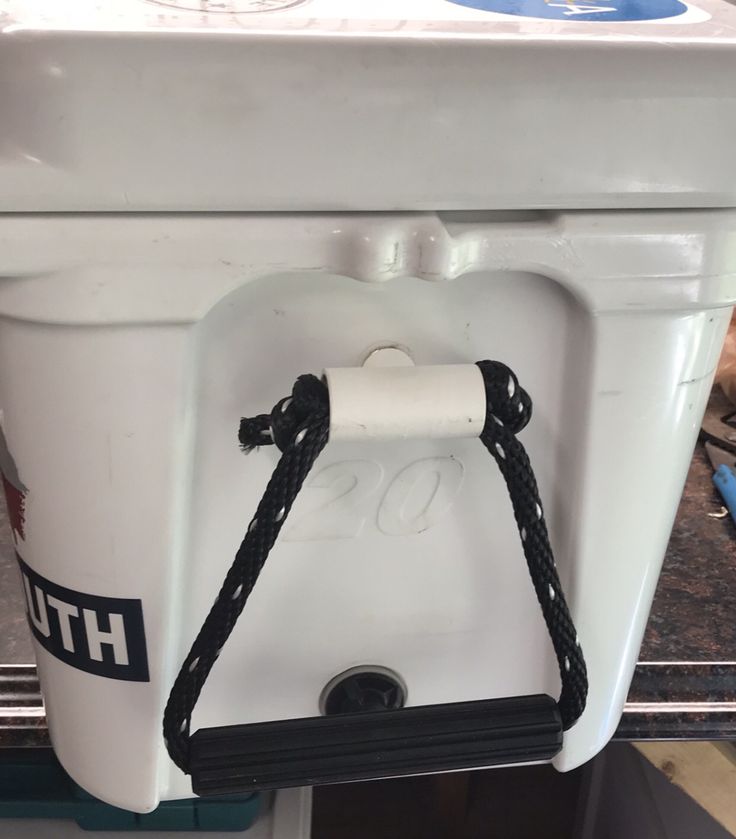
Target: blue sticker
{"points": [[582, 9]]}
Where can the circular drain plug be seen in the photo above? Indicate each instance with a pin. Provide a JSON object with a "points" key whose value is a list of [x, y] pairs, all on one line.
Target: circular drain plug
{"points": [[363, 689]]}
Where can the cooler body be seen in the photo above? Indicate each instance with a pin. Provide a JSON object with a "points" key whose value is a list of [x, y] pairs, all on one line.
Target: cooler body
{"points": [[199, 206], [127, 360]]}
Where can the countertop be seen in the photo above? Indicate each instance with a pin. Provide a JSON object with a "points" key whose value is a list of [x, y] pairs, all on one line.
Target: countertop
{"points": [[685, 682]]}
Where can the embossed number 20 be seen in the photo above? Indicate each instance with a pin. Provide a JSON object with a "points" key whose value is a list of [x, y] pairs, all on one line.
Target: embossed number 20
{"points": [[337, 502]]}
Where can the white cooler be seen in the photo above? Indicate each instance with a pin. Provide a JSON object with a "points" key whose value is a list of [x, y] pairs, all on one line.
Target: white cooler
{"points": [[203, 200]]}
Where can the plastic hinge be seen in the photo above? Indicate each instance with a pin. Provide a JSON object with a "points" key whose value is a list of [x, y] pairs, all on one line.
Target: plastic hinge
{"points": [[365, 746]]}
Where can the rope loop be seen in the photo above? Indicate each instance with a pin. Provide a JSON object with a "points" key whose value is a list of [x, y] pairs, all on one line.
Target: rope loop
{"points": [[506, 401]]}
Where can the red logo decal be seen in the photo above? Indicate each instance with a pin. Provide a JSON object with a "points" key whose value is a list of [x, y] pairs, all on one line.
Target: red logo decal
{"points": [[15, 491]]}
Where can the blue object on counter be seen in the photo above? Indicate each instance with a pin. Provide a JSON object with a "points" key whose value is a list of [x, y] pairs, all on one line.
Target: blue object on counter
{"points": [[725, 480], [723, 460]]}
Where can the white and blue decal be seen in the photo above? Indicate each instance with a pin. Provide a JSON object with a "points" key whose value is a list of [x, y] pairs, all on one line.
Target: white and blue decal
{"points": [[100, 635], [615, 10]]}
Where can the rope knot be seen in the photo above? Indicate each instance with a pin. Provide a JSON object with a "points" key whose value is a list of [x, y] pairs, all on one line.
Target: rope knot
{"points": [[507, 403], [309, 402]]}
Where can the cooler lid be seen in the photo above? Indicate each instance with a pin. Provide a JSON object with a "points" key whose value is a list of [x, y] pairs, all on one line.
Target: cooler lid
{"points": [[300, 105]]}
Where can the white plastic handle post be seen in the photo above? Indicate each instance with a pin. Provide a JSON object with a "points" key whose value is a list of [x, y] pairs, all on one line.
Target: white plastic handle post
{"points": [[400, 403]]}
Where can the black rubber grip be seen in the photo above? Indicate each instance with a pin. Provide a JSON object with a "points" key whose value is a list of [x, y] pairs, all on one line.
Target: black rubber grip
{"points": [[364, 746]]}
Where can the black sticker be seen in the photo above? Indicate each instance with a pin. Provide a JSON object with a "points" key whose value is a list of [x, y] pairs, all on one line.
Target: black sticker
{"points": [[100, 635]]}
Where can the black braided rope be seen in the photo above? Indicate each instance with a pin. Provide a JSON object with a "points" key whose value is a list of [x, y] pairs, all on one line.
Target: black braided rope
{"points": [[299, 426], [508, 410]]}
